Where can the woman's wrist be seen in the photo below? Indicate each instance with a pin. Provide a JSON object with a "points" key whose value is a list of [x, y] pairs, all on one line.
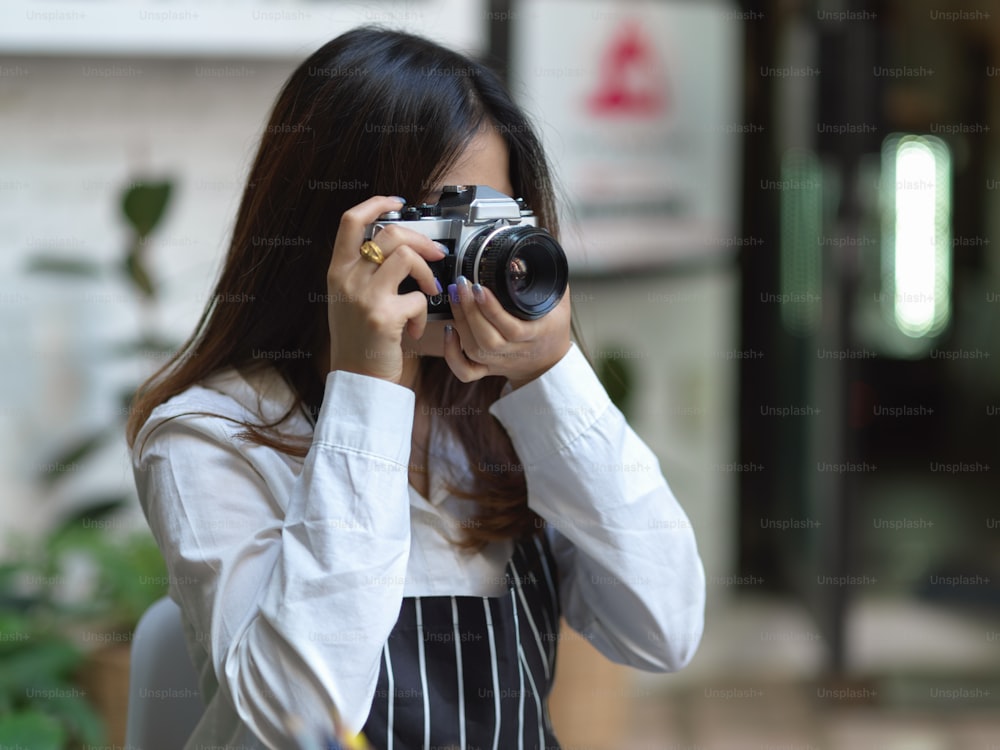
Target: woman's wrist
{"points": [[516, 381]]}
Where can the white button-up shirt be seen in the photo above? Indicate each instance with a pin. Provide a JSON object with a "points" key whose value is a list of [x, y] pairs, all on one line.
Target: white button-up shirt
{"points": [[290, 572]]}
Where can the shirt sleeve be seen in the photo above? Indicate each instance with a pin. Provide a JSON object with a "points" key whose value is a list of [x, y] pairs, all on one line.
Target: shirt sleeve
{"points": [[294, 589], [631, 579]]}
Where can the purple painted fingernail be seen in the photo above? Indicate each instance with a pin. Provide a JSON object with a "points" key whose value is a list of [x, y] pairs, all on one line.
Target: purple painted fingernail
{"points": [[449, 331], [477, 292], [398, 198], [437, 283], [463, 282], [453, 293]]}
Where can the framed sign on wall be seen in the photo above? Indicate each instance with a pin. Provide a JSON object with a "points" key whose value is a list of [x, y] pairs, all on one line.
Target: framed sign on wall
{"points": [[639, 105]]}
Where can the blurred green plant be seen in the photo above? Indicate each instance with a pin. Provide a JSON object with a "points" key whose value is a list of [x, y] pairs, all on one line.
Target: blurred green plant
{"points": [[126, 572], [43, 603], [143, 204], [41, 705], [616, 374]]}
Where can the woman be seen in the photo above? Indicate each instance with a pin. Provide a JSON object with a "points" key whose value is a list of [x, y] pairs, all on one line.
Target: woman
{"points": [[373, 519]]}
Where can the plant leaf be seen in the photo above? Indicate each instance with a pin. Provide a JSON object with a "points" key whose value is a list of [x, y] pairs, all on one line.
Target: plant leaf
{"points": [[33, 729], [63, 266], [146, 581], [15, 631], [40, 662], [144, 203], [615, 374], [69, 460], [93, 515], [146, 345], [138, 275], [75, 713]]}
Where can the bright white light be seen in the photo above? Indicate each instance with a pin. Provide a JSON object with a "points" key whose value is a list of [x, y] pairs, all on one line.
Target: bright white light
{"points": [[915, 238], [922, 236]]}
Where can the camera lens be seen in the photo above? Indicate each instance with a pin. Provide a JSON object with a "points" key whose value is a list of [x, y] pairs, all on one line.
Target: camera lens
{"points": [[523, 266]]}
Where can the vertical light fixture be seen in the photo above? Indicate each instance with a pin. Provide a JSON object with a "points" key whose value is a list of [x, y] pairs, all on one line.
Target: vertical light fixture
{"points": [[916, 234]]}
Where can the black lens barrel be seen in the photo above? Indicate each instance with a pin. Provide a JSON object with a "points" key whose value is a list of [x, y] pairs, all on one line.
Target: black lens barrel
{"points": [[524, 266]]}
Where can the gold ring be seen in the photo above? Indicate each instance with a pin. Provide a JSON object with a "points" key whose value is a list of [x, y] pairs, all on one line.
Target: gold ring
{"points": [[371, 251]]}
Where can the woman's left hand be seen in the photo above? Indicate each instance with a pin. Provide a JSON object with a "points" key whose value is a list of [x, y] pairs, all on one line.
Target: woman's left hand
{"points": [[488, 340]]}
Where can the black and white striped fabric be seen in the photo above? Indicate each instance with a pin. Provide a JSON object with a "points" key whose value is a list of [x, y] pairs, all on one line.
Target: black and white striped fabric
{"points": [[473, 673]]}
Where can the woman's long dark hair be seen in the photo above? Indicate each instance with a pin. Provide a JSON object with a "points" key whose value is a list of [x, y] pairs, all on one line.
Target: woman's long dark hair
{"points": [[373, 112]]}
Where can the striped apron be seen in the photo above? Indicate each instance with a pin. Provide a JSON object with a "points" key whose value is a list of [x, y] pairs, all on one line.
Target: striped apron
{"points": [[470, 672]]}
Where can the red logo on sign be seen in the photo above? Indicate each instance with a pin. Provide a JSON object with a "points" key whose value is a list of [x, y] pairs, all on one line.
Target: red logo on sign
{"points": [[631, 80]]}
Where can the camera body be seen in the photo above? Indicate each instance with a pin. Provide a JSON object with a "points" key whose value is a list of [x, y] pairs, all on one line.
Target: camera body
{"points": [[492, 240]]}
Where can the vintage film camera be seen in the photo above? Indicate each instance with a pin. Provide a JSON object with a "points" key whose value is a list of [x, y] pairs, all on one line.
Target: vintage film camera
{"points": [[492, 240]]}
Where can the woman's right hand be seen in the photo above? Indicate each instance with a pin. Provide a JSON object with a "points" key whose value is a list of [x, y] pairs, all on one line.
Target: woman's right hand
{"points": [[366, 313]]}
